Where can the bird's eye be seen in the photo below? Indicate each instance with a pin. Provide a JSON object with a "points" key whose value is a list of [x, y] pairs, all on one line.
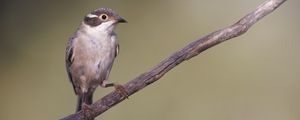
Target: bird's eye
{"points": [[103, 17]]}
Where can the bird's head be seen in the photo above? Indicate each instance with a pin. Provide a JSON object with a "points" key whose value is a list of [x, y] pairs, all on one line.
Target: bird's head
{"points": [[103, 20]]}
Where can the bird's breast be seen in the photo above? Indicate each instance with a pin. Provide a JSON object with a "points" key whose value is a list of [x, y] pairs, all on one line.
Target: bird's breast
{"points": [[94, 56]]}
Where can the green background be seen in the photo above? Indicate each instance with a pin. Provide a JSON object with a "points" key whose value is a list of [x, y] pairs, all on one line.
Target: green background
{"points": [[252, 77]]}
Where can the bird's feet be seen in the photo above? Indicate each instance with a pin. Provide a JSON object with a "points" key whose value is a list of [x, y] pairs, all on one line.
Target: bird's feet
{"points": [[120, 89], [87, 111]]}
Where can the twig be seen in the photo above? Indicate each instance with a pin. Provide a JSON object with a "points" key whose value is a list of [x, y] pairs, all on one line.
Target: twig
{"points": [[186, 53]]}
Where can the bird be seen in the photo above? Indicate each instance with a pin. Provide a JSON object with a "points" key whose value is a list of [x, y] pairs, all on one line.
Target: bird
{"points": [[90, 54]]}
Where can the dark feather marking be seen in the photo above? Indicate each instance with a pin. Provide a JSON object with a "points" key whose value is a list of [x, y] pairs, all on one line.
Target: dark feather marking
{"points": [[99, 65], [92, 21], [70, 56], [117, 50]]}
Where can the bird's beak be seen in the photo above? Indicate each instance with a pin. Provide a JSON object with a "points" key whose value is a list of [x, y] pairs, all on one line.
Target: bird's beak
{"points": [[121, 20]]}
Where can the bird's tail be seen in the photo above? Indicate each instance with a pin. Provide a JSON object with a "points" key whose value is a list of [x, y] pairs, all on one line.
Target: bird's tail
{"points": [[84, 99]]}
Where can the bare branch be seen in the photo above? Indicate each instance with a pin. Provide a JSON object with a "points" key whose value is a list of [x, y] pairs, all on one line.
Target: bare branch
{"points": [[186, 53]]}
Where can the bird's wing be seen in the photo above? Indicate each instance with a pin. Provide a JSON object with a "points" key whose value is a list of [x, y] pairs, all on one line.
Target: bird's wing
{"points": [[69, 60]]}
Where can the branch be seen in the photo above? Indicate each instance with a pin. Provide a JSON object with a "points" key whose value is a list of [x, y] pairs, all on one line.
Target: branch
{"points": [[186, 53]]}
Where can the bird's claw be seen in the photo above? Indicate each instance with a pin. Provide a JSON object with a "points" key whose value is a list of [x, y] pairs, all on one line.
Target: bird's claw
{"points": [[87, 111], [120, 89]]}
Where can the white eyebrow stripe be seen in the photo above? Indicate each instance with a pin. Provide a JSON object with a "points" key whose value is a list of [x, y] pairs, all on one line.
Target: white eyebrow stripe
{"points": [[91, 16]]}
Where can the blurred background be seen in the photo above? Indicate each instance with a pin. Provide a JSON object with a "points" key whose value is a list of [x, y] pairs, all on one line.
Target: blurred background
{"points": [[252, 77]]}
